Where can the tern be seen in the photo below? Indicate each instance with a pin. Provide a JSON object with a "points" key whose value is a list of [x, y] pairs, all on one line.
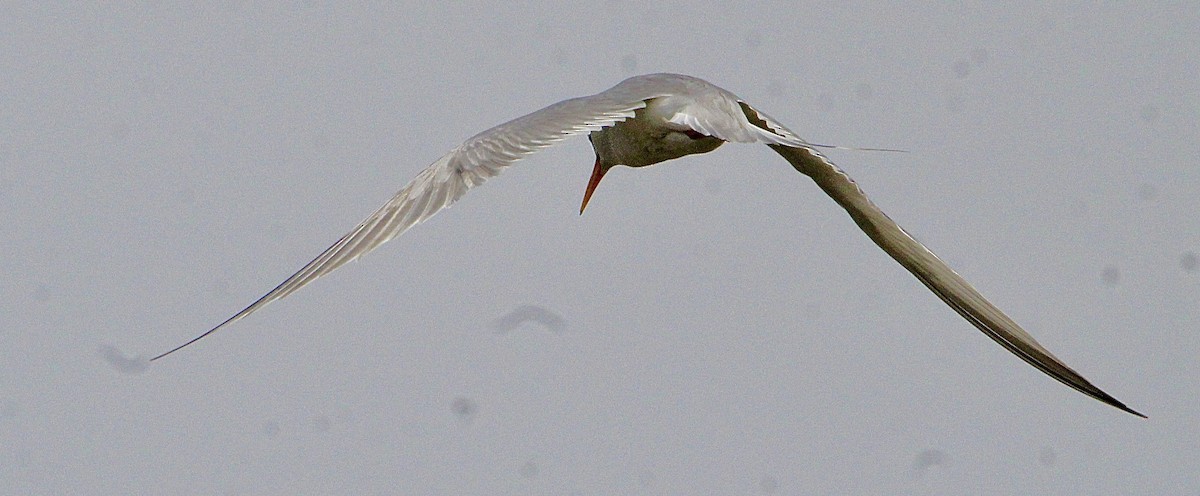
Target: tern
{"points": [[646, 120]]}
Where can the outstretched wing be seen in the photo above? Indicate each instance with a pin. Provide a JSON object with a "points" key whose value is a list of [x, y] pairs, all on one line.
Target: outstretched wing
{"points": [[929, 269], [471, 164]]}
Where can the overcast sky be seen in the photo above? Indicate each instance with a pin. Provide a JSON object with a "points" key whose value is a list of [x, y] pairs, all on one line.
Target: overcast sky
{"points": [[712, 325]]}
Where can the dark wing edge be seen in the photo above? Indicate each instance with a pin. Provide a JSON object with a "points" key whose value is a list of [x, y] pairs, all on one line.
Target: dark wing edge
{"points": [[926, 266]]}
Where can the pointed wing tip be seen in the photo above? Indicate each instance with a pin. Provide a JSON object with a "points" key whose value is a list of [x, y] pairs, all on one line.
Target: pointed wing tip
{"points": [[1104, 398], [177, 348], [1121, 406]]}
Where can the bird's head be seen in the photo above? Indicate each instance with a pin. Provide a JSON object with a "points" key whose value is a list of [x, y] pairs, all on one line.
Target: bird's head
{"points": [[635, 144]]}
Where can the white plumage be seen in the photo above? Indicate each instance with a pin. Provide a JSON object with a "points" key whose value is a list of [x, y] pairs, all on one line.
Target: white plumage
{"points": [[643, 121]]}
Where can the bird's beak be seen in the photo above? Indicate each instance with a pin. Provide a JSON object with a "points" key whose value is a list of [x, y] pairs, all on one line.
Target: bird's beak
{"points": [[597, 173]]}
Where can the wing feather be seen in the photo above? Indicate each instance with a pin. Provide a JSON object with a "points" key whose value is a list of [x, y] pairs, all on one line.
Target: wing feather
{"points": [[472, 163], [925, 265]]}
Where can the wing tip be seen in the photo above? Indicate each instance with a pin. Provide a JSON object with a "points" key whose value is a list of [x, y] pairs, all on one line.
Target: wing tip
{"points": [[1109, 400]]}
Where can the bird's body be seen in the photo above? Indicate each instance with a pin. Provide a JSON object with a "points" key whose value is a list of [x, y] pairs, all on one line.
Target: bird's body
{"points": [[646, 120], [648, 139]]}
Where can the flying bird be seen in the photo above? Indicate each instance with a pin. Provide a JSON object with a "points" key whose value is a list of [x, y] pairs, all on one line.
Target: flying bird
{"points": [[646, 120]]}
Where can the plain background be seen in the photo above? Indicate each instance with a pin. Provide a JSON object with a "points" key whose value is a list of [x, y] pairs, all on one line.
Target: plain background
{"points": [[713, 325]]}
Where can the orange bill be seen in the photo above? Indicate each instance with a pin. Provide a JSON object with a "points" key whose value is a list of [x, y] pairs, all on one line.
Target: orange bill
{"points": [[597, 173]]}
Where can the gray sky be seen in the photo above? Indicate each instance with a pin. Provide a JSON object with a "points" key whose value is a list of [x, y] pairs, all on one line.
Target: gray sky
{"points": [[713, 325]]}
